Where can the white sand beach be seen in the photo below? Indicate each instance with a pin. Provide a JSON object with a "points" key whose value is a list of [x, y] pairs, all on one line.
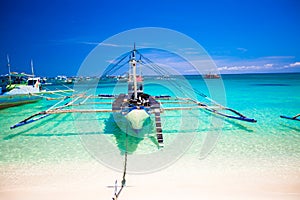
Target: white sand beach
{"points": [[196, 179]]}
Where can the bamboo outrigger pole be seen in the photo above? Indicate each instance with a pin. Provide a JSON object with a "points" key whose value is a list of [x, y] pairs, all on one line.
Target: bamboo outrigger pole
{"points": [[291, 118], [45, 113]]}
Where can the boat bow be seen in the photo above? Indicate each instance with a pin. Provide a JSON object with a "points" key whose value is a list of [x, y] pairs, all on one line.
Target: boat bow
{"points": [[137, 117]]}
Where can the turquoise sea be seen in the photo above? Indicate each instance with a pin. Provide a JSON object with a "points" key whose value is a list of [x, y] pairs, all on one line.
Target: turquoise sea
{"points": [[272, 141]]}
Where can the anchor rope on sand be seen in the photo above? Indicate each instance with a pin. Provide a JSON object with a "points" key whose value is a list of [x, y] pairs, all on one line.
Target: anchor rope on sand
{"points": [[117, 193]]}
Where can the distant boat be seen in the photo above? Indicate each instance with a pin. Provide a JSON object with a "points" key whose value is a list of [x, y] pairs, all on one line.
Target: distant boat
{"points": [[211, 76], [18, 94], [63, 80], [165, 77], [24, 93], [20, 88]]}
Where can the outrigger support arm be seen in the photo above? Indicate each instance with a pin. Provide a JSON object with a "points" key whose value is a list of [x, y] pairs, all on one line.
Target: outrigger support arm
{"points": [[216, 109], [59, 110]]}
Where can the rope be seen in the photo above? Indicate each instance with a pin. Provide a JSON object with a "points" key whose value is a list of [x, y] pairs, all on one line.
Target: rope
{"points": [[67, 87], [117, 193], [115, 66], [61, 91], [85, 100]]}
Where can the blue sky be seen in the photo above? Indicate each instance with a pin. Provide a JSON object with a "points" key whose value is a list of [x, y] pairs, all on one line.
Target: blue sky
{"points": [[251, 36]]}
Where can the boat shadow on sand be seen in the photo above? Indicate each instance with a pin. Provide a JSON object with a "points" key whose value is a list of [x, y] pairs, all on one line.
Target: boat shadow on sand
{"points": [[294, 128]]}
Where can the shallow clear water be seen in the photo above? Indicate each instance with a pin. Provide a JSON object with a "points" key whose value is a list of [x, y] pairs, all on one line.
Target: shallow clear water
{"points": [[261, 96]]}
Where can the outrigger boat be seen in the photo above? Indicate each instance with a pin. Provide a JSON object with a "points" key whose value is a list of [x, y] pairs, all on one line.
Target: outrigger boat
{"points": [[135, 105], [21, 94], [20, 88]]}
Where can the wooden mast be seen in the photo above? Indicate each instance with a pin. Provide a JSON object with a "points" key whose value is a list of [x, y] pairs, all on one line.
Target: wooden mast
{"points": [[133, 64], [9, 73]]}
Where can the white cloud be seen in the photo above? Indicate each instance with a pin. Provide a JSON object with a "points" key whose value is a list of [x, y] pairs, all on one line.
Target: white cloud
{"points": [[192, 52], [239, 68], [190, 70], [187, 49], [89, 43], [110, 45], [278, 57], [105, 44], [296, 64], [130, 46], [268, 65]]}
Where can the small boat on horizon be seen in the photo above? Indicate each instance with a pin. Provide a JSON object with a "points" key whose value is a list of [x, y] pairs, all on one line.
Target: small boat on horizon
{"points": [[212, 76]]}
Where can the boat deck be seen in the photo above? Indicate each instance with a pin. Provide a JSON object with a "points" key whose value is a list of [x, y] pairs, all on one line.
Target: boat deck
{"points": [[119, 102]]}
